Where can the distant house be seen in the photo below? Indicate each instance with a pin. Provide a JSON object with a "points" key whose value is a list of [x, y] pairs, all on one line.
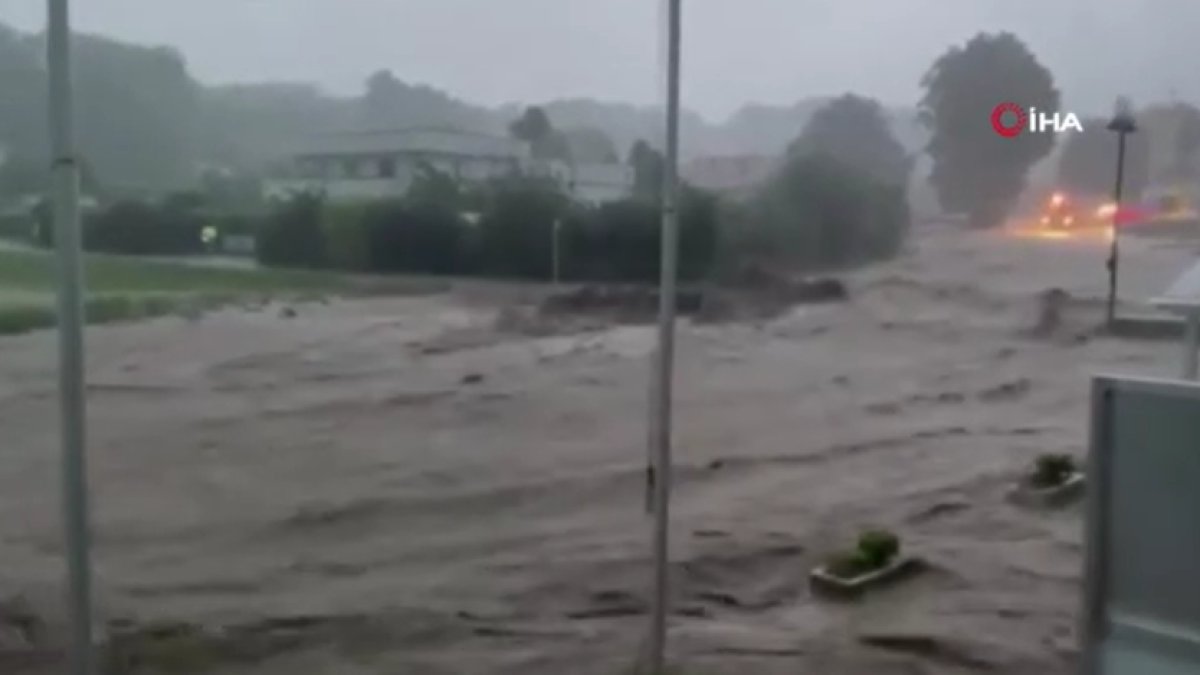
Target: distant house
{"points": [[379, 164], [589, 183], [729, 173]]}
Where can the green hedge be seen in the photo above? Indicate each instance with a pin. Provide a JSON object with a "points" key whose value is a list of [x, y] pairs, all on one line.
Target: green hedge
{"points": [[513, 237], [819, 212]]}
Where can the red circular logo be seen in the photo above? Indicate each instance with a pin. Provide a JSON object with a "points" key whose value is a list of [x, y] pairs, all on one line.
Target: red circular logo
{"points": [[1009, 130]]}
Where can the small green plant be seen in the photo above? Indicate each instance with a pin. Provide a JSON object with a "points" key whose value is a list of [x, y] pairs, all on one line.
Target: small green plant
{"points": [[876, 549], [1053, 470]]}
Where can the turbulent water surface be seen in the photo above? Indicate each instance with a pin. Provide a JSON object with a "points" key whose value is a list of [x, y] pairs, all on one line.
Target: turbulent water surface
{"points": [[397, 486]]}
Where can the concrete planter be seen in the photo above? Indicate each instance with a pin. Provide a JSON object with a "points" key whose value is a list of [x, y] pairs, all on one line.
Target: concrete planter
{"points": [[1025, 494], [826, 583]]}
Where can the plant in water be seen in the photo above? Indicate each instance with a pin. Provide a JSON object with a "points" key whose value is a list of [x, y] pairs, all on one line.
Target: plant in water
{"points": [[1052, 470], [876, 549]]}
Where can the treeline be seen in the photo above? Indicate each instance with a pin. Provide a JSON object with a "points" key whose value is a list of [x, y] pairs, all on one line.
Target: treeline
{"points": [[838, 199]]}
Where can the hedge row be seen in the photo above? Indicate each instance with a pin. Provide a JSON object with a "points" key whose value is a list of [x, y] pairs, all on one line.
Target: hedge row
{"points": [[173, 226], [513, 237]]}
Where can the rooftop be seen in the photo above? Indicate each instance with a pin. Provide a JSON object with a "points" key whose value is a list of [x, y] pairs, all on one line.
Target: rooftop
{"points": [[427, 140]]}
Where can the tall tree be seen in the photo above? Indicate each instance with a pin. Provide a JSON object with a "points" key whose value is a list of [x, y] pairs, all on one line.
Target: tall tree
{"points": [[855, 131], [649, 167], [546, 142], [975, 170]]}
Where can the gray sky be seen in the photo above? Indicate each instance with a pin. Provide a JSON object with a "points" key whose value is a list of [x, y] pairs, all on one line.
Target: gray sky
{"points": [[769, 51]]}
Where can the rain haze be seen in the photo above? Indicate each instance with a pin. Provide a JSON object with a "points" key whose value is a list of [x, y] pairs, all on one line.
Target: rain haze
{"points": [[751, 51], [380, 325]]}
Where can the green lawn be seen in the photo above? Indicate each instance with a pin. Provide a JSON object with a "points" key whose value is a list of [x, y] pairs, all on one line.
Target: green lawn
{"points": [[121, 288]]}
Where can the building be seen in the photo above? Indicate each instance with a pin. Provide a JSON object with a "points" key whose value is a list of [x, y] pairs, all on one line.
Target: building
{"points": [[733, 174], [376, 164], [379, 164], [588, 183]]}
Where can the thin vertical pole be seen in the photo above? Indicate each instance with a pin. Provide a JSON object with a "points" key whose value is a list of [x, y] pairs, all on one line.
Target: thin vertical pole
{"points": [[1114, 251], [70, 337], [556, 253], [664, 359]]}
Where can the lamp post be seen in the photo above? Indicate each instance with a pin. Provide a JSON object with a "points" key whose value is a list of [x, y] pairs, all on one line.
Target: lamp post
{"points": [[660, 415], [65, 166], [1122, 124]]}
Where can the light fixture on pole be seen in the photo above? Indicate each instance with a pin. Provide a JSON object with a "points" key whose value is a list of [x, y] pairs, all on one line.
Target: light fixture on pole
{"points": [[660, 400], [65, 168], [1122, 124]]}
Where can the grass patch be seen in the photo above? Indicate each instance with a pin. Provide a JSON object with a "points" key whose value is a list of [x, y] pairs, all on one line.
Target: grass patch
{"points": [[125, 289], [34, 271]]}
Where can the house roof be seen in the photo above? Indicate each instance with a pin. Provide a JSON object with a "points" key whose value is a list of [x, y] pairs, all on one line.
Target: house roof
{"points": [[413, 140], [735, 172]]}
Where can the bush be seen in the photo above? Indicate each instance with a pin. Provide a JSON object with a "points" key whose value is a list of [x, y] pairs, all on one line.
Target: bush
{"points": [[622, 241], [293, 235], [876, 549], [17, 226], [1053, 470], [426, 233], [419, 238], [818, 212], [517, 228], [140, 228], [347, 241]]}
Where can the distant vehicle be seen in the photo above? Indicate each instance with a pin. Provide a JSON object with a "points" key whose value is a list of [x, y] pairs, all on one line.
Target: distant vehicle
{"points": [[1060, 213]]}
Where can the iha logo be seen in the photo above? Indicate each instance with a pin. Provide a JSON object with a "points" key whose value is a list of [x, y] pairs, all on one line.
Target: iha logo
{"points": [[1010, 120]]}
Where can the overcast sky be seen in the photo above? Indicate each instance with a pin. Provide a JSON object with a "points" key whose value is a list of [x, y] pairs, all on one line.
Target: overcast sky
{"points": [[770, 51]]}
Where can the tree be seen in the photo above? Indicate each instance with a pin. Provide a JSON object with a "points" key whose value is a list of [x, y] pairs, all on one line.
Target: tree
{"points": [[855, 131], [649, 167], [975, 170], [818, 211], [1088, 163], [534, 127], [431, 187]]}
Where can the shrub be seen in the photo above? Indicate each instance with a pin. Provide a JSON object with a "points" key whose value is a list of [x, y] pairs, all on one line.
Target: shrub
{"points": [[1053, 470], [516, 231], [421, 238], [140, 228], [17, 226], [622, 241], [876, 549], [292, 236], [819, 212], [346, 235]]}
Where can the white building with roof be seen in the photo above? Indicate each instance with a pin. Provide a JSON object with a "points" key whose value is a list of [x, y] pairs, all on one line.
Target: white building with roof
{"points": [[377, 164], [380, 164]]}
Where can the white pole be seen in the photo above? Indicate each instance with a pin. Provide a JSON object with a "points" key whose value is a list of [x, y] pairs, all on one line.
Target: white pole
{"points": [[70, 336], [665, 357]]}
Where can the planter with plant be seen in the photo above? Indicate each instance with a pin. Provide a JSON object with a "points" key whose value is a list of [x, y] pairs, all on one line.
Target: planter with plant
{"points": [[1054, 480], [876, 560]]}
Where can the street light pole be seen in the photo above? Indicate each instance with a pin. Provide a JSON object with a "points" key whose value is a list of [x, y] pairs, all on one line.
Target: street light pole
{"points": [[1123, 124], [660, 428], [65, 168]]}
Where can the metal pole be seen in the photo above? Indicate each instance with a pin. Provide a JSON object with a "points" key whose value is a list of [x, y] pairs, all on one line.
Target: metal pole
{"points": [[557, 253], [70, 337], [1191, 338], [664, 361], [1114, 251]]}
